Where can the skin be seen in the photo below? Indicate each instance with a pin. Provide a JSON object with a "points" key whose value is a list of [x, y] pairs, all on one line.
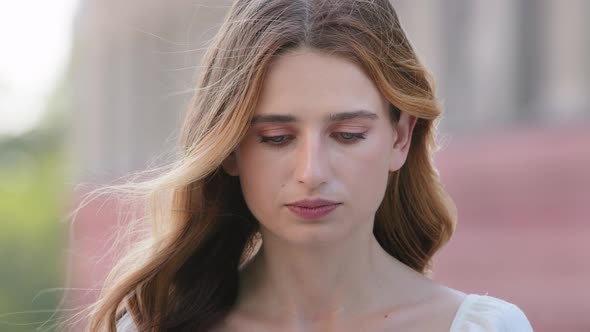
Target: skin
{"points": [[328, 274]]}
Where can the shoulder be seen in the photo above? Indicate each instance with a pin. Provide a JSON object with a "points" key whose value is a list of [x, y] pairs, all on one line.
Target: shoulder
{"points": [[483, 313]]}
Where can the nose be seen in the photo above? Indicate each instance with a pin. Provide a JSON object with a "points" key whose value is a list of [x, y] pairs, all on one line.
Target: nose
{"points": [[312, 164]]}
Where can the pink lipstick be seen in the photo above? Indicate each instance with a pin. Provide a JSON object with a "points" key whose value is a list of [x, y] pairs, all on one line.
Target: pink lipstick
{"points": [[312, 209]]}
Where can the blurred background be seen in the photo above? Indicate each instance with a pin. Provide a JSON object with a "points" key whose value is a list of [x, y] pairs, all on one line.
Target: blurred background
{"points": [[91, 91]]}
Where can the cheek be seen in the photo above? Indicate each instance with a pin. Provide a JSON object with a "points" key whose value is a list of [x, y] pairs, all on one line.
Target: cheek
{"points": [[368, 174], [260, 179]]}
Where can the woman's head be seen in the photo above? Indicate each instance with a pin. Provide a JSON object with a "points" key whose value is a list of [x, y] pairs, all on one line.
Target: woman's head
{"points": [[321, 129], [309, 59]]}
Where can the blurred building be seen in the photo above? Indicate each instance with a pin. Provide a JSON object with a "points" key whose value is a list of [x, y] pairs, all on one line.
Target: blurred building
{"points": [[505, 61], [513, 75]]}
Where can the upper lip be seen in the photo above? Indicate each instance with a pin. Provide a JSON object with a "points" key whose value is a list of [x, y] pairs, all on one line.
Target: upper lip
{"points": [[313, 203]]}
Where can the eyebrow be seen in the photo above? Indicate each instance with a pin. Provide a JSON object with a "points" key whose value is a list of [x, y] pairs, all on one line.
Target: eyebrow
{"points": [[286, 118]]}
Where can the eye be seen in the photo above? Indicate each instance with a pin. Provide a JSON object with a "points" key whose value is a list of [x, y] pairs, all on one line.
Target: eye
{"points": [[350, 137], [274, 140], [346, 138]]}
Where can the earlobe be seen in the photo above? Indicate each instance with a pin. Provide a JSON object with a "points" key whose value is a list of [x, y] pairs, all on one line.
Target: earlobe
{"points": [[230, 165]]}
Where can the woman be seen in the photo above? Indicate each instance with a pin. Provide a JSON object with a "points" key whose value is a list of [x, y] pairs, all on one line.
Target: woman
{"points": [[305, 198]]}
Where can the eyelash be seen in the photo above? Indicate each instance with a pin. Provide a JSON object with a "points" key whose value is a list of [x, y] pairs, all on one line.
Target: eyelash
{"points": [[269, 139]]}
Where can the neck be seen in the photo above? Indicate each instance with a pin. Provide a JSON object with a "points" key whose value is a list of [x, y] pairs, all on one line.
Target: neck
{"points": [[320, 283]]}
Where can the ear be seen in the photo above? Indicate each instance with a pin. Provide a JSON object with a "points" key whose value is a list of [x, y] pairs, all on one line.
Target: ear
{"points": [[230, 165], [402, 138]]}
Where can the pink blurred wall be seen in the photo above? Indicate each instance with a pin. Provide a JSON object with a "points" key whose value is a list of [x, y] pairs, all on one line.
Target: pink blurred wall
{"points": [[524, 222]]}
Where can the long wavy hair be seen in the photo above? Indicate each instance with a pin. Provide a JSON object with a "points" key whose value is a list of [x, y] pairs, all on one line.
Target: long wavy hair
{"points": [[184, 276]]}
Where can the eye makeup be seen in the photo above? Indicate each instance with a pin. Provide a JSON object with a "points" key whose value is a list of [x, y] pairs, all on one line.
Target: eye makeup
{"points": [[342, 137]]}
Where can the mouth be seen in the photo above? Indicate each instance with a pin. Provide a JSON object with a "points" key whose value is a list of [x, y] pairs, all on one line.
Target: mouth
{"points": [[312, 209], [311, 204]]}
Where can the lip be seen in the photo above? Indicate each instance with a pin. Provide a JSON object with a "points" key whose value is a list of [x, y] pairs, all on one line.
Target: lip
{"points": [[312, 209], [313, 203]]}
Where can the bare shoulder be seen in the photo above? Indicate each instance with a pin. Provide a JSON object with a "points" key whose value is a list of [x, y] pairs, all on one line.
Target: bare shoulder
{"points": [[433, 310], [449, 297], [442, 308]]}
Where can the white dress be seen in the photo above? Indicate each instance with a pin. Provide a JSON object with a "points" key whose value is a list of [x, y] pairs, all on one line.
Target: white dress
{"points": [[483, 313], [477, 313]]}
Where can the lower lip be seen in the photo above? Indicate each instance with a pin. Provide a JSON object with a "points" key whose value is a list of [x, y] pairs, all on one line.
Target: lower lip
{"points": [[312, 213]]}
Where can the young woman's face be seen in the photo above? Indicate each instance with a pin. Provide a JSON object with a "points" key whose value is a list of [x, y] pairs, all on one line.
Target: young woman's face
{"points": [[321, 130]]}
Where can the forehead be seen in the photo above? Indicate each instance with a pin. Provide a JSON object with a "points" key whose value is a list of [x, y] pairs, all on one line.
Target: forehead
{"points": [[309, 82]]}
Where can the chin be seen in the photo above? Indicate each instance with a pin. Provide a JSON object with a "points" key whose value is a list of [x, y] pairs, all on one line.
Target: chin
{"points": [[310, 233]]}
